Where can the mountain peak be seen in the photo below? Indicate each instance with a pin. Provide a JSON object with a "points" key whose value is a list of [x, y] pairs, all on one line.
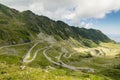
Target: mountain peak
{"points": [[8, 12], [28, 12], [34, 24]]}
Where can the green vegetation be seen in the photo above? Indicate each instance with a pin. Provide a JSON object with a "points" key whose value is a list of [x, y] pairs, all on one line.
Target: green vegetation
{"points": [[13, 72], [19, 27], [64, 44]]}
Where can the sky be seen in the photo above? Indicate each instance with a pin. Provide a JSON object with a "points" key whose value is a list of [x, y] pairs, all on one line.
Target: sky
{"points": [[99, 14]]}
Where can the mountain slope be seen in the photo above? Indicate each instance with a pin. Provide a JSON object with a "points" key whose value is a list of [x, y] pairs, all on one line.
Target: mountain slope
{"points": [[19, 27], [34, 47]]}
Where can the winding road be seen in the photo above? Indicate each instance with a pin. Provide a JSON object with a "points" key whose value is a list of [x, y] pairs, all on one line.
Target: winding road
{"points": [[35, 54], [59, 63], [27, 56], [65, 55], [65, 65], [15, 45]]}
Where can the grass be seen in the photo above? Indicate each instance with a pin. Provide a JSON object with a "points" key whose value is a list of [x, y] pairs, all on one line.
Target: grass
{"points": [[54, 53], [13, 72], [10, 64], [114, 74], [14, 54], [40, 61], [110, 45], [10, 59], [20, 50]]}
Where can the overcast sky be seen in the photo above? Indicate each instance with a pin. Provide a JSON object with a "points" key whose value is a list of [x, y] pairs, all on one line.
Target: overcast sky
{"points": [[99, 14]]}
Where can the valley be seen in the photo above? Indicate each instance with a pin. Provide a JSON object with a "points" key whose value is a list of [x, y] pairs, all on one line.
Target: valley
{"points": [[34, 47], [54, 56]]}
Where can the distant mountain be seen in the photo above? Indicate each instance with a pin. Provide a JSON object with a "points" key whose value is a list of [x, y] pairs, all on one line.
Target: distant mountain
{"points": [[115, 37], [19, 27]]}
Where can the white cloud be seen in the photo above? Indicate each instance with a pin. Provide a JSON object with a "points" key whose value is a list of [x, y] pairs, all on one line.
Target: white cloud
{"points": [[87, 25], [73, 10]]}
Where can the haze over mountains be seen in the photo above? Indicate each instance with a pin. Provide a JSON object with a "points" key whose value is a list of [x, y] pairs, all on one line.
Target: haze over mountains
{"points": [[115, 37]]}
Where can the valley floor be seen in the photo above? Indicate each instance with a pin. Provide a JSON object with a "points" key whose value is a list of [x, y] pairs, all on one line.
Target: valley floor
{"points": [[40, 60]]}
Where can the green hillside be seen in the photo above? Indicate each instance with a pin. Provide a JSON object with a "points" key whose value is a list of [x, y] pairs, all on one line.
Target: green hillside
{"points": [[34, 47], [19, 27]]}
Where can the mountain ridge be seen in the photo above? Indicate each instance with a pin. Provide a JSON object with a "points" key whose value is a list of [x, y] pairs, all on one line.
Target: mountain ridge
{"points": [[27, 25], [38, 48]]}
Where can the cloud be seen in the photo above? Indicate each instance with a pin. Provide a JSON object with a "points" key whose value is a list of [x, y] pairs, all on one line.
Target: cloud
{"points": [[89, 25], [86, 25], [72, 10]]}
